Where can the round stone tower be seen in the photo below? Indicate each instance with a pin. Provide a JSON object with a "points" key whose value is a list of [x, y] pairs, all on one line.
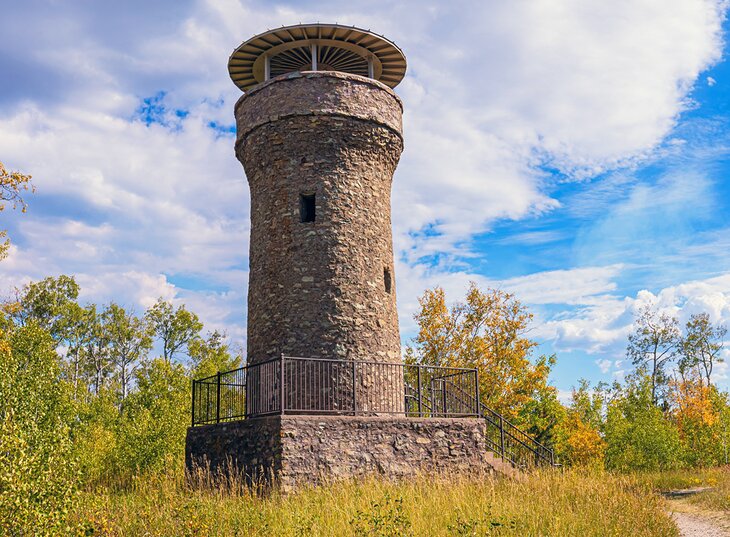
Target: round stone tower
{"points": [[319, 136]]}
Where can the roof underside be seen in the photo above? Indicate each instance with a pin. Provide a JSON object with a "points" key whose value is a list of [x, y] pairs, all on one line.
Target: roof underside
{"points": [[331, 46]]}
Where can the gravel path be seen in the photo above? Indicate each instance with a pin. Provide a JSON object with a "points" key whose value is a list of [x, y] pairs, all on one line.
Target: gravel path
{"points": [[694, 526]]}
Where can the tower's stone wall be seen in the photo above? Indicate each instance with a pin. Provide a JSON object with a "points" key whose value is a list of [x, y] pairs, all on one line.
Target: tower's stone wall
{"points": [[305, 450], [317, 289]]}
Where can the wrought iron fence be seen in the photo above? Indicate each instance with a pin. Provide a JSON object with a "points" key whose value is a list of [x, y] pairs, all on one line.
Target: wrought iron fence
{"points": [[295, 385], [513, 444], [221, 397], [298, 385]]}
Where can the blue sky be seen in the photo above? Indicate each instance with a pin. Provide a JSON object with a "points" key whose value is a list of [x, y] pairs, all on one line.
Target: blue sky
{"points": [[574, 152]]}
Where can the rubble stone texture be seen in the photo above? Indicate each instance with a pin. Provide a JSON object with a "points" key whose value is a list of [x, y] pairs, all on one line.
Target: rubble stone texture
{"points": [[319, 289], [306, 450]]}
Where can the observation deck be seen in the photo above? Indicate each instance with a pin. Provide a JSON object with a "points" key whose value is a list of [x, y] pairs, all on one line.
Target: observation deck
{"points": [[316, 47]]}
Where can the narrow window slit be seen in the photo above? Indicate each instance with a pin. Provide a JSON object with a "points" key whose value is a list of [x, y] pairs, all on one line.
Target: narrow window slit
{"points": [[387, 280], [307, 207]]}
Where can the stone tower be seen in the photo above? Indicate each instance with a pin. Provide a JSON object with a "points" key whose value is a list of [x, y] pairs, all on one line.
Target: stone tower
{"points": [[319, 136], [324, 394]]}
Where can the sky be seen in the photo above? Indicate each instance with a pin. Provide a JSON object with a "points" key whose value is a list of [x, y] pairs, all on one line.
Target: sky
{"points": [[573, 152]]}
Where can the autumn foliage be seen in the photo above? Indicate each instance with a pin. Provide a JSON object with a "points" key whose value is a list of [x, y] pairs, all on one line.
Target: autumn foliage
{"points": [[487, 332], [12, 187], [666, 414]]}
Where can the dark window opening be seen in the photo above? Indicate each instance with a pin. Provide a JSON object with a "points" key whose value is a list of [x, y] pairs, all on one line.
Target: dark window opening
{"points": [[387, 280], [307, 207]]}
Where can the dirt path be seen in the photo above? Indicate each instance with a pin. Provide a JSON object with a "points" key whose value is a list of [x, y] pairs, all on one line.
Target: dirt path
{"points": [[693, 526], [693, 521]]}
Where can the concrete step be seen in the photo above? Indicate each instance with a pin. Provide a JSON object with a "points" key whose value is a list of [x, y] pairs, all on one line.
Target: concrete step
{"points": [[503, 467]]}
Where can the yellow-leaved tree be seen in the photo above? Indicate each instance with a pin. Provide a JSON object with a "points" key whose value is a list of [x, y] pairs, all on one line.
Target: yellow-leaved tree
{"points": [[487, 332], [583, 443], [577, 439], [697, 410], [12, 187]]}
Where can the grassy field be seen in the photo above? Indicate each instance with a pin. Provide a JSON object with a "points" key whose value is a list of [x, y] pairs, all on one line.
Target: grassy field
{"points": [[715, 499], [685, 478], [554, 503]]}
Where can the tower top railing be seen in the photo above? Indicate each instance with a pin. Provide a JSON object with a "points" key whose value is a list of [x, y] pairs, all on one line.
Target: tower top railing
{"points": [[316, 47]]}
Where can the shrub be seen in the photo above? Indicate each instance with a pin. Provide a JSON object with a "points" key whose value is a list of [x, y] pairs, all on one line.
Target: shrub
{"points": [[37, 472]]}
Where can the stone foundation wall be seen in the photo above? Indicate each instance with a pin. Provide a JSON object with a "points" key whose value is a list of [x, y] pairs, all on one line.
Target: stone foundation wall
{"points": [[299, 450], [253, 447]]}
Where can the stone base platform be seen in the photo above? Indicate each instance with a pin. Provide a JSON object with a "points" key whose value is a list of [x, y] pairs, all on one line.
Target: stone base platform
{"points": [[294, 450]]}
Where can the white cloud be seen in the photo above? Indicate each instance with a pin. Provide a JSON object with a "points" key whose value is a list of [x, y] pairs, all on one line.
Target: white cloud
{"points": [[494, 89], [139, 288], [570, 287], [602, 327]]}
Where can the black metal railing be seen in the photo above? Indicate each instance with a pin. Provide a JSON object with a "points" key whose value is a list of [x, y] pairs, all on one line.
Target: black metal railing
{"points": [[220, 397], [513, 444], [298, 385], [295, 385]]}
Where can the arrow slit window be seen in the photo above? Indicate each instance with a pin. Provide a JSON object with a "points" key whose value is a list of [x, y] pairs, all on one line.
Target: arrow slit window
{"points": [[307, 207]]}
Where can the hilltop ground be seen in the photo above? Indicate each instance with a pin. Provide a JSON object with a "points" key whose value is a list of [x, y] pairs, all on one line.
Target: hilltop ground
{"points": [[566, 503]]}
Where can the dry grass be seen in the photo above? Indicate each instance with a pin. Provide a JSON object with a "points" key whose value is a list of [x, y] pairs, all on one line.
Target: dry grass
{"points": [[579, 503], [712, 504], [718, 498], [684, 478]]}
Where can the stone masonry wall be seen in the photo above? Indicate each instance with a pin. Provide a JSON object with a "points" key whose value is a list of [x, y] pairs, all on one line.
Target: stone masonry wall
{"points": [[253, 447], [319, 448], [313, 449], [317, 289]]}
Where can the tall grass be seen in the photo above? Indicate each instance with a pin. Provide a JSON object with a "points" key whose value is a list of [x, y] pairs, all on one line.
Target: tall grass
{"points": [[552, 503], [717, 498], [684, 478]]}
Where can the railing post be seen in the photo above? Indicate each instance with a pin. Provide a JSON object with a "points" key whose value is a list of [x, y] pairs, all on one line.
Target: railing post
{"points": [[477, 402], [245, 391], [192, 408], [218, 398], [281, 383], [443, 395], [354, 387], [420, 392], [501, 435]]}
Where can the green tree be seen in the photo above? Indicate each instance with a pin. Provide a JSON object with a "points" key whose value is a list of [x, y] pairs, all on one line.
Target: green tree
{"points": [[653, 344], [210, 355], [49, 303], [79, 324], [96, 352], [701, 346], [156, 417], [175, 328], [95, 433], [639, 436], [37, 471], [589, 403], [129, 339], [543, 415]]}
